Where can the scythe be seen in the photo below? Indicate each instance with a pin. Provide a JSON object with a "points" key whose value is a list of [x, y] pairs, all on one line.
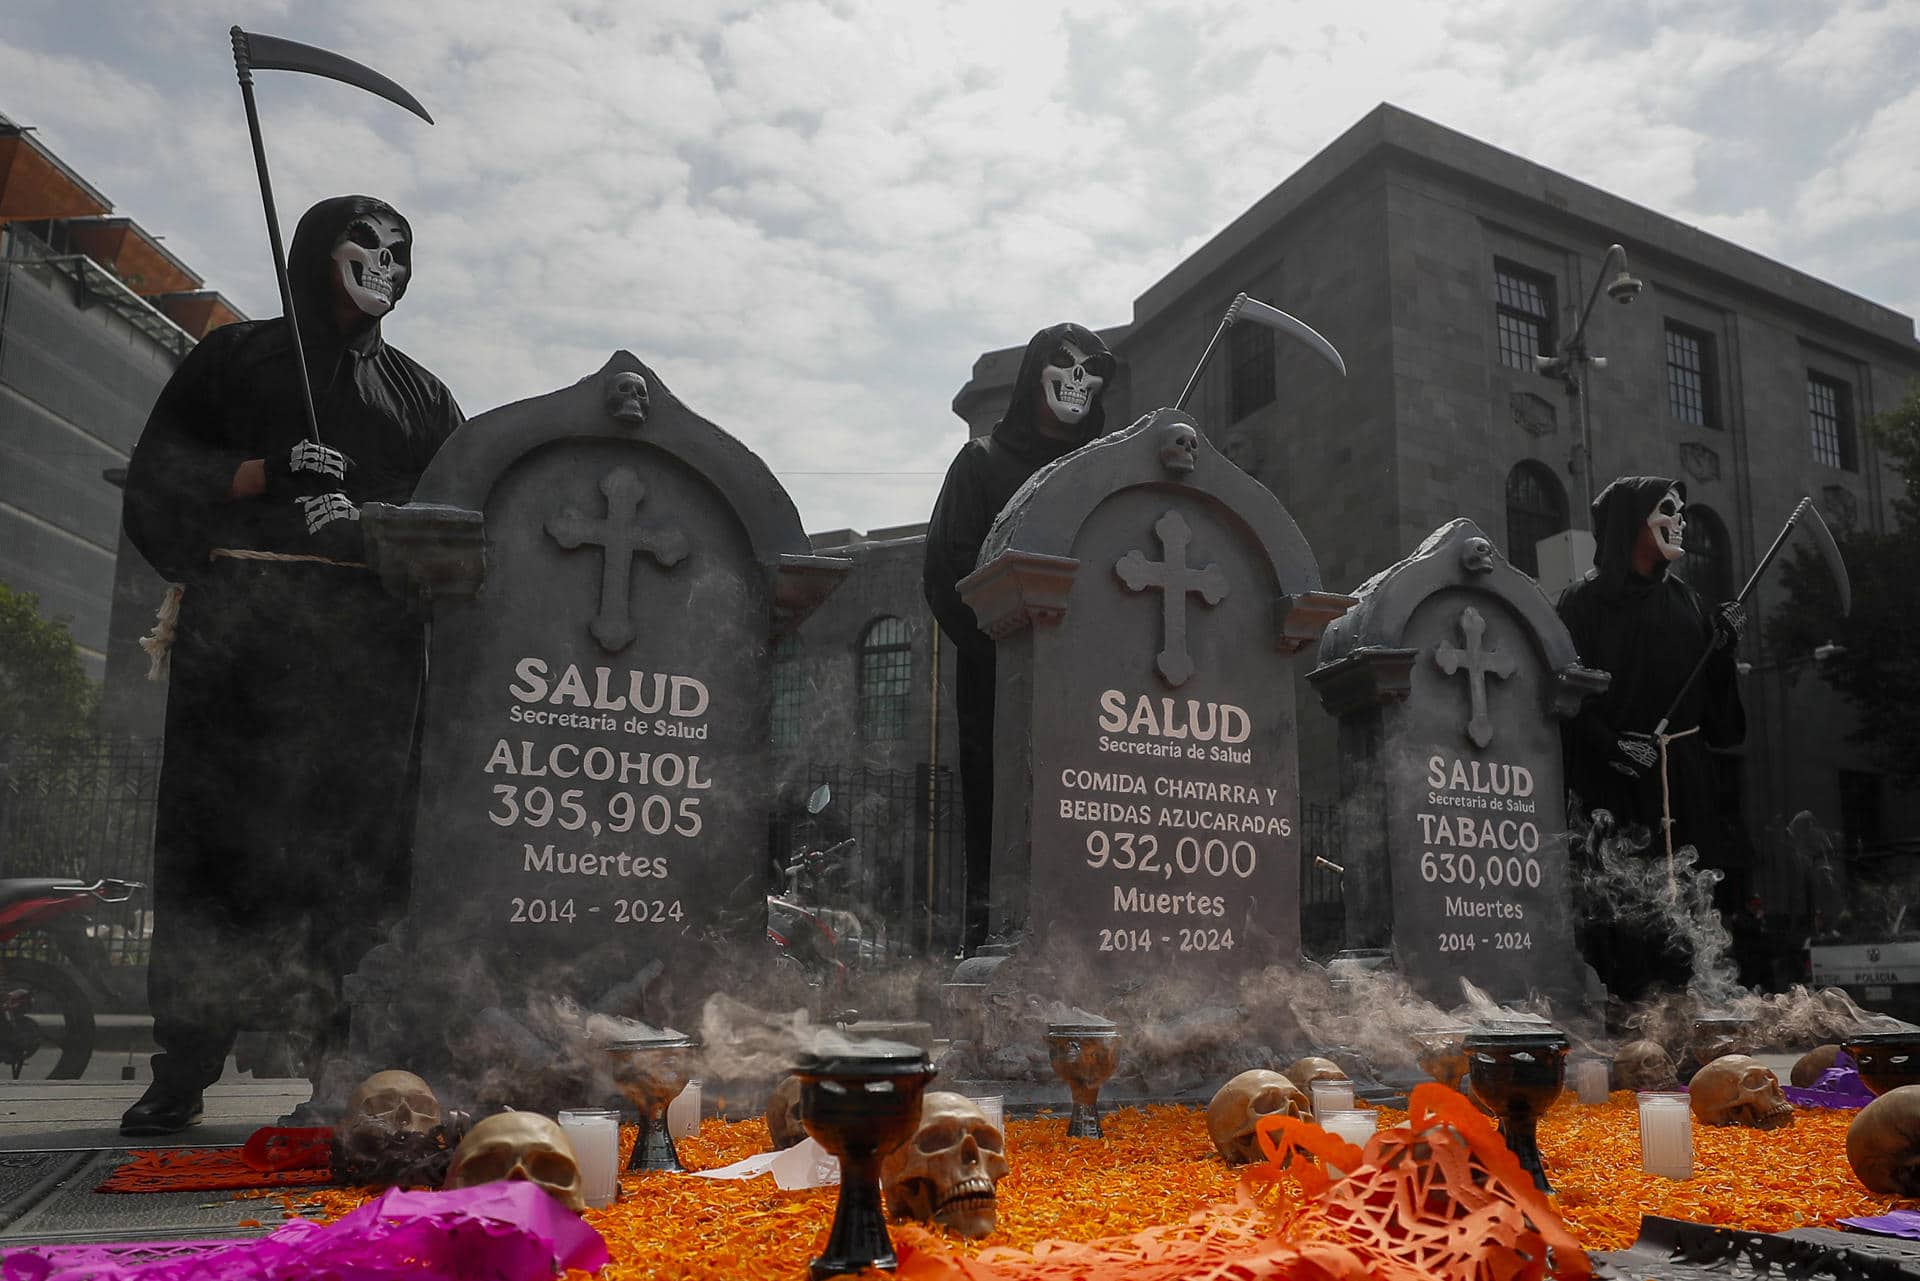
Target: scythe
{"points": [[271, 53]]}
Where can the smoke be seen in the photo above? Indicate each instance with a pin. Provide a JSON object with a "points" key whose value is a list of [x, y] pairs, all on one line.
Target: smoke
{"points": [[1664, 903]]}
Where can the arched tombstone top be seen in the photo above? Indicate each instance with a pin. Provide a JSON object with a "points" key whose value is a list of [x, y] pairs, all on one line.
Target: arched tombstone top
{"points": [[1457, 554], [624, 401], [1162, 450]]}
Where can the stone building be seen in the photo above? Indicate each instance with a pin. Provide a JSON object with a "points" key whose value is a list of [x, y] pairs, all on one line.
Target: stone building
{"points": [[95, 313], [1442, 268]]}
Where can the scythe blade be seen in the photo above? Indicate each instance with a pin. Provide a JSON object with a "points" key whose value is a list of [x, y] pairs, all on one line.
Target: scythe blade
{"points": [[271, 53], [1816, 525], [1273, 318]]}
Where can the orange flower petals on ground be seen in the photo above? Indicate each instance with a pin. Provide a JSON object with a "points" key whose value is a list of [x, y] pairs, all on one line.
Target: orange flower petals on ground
{"points": [[1153, 1201]]}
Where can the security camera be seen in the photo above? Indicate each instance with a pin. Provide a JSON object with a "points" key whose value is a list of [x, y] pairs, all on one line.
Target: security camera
{"points": [[1625, 288]]}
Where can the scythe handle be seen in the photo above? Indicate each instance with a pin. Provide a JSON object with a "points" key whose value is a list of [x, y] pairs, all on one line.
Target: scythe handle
{"points": [[1746, 591]]}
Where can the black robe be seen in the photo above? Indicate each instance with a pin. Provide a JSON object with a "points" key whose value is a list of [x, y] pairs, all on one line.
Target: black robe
{"points": [[1647, 634], [981, 479], [284, 817]]}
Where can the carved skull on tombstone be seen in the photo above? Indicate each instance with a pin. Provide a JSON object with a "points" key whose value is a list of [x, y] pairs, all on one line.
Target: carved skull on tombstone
{"points": [[1476, 556], [1883, 1143], [519, 1145], [948, 1171], [784, 1123], [1238, 1107], [1736, 1089], [1179, 449], [626, 397], [1644, 1065]]}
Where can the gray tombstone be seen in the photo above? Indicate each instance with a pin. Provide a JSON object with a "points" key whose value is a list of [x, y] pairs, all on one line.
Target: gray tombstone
{"points": [[1147, 598], [1450, 678], [605, 572]]}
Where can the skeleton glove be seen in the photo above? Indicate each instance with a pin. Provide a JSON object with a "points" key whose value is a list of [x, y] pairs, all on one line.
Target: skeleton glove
{"points": [[307, 469], [1729, 625], [1635, 753], [333, 526]]}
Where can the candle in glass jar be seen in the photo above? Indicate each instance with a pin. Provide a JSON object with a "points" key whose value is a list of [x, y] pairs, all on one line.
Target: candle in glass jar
{"points": [[1355, 1125], [1332, 1096], [1590, 1081], [683, 1114], [595, 1136], [1666, 1134]]}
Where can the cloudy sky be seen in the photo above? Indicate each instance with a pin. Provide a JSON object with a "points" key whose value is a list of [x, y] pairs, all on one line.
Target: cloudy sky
{"points": [[809, 216]]}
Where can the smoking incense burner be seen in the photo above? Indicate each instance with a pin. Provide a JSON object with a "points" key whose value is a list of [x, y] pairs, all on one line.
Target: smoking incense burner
{"points": [[1083, 1055], [650, 1070], [1516, 1076]]}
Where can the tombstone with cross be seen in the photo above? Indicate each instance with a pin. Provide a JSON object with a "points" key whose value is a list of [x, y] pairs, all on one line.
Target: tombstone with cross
{"points": [[1450, 678], [1148, 599], [607, 574]]}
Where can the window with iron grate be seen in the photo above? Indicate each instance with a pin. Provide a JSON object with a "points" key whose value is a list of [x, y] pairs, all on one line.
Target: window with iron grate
{"points": [[1830, 418], [1523, 314], [1250, 353], [1690, 376], [1708, 567], [789, 693], [886, 679], [1536, 509]]}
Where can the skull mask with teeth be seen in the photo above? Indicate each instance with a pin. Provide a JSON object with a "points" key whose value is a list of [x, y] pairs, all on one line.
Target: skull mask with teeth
{"points": [[374, 255], [1071, 382], [1668, 523]]}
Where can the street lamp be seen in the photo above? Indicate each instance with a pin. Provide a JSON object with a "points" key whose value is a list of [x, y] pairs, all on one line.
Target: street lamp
{"points": [[1623, 288]]}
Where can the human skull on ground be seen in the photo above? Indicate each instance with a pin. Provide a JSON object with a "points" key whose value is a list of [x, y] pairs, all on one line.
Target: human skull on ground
{"points": [[1179, 448], [1304, 1072], [1812, 1065], [784, 1123], [519, 1145], [1240, 1104], [947, 1171], [392, 1102], [1883, 1143], [1644, 1065], [1736, 1089], [626, 397]]}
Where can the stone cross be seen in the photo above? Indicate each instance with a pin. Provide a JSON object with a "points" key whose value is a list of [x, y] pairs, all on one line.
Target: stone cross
{"points": [[1175, 580], [619, 536], [1479, 664]]}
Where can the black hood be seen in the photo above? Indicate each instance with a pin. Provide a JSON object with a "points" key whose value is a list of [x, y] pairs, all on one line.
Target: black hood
{"points": [[1619, 514], [310, 259], [1016, 430]]}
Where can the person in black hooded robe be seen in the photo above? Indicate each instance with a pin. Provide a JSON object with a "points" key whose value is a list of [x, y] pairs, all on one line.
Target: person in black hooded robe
{"points": [[1054, 409], [1643, 624], [281, 846]]}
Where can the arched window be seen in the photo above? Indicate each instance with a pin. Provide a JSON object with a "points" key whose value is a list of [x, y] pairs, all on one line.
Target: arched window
{"points": [[1708, 566], [789, 693], [886, 677], [1536, 509]]}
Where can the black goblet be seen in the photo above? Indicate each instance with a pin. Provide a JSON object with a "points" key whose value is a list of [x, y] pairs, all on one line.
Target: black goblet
{"points": [[1083, 1056], [1516, 1076], [859, 1102], [650, 1069]]}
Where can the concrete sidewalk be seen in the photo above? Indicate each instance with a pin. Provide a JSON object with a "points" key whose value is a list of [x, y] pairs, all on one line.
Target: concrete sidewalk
{"points": [[39, 1116]]}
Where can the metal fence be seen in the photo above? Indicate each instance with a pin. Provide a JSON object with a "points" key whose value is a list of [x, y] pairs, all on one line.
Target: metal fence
{"points": [[83, 807], [1323, 906]]}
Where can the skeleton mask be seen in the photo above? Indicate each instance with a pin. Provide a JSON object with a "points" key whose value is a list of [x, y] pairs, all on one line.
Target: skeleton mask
{"points": [[947, 1171], [1476, 556], [1179, 448], [784, 1122], [392, 1103], [519, 1145], [627, 398], [1072, 381], [1304, 1072], [1737, 1090], [1668, 522], [1240, 1104], [1643, 1065], [1883, 1143], [1813, 1064], [374, 259]]}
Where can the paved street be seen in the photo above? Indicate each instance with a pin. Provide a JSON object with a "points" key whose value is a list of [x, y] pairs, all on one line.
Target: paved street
{"points": [[41, 1115]]}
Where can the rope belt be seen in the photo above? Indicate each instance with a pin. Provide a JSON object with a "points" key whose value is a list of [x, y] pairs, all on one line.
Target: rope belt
{"points": [[158, 643], [1666, 802]]}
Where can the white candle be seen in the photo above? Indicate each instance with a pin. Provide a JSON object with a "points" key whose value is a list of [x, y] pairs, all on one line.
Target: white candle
{"points": [[683, 1114], [1355, 1125], [1590, 1081], [993, 1107], [1666, 1135], [1332, 1096], [595, 1136]]}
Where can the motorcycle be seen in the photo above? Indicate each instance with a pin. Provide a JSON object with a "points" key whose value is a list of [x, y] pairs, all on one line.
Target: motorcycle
{"points": [[827, 944], [46, 1015]]}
